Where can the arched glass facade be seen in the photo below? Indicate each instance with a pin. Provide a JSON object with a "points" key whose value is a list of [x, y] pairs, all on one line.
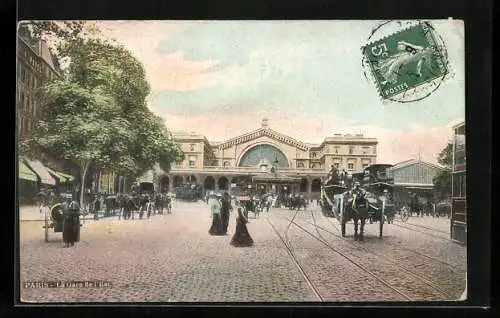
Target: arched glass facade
{"points": [[273, 155]]}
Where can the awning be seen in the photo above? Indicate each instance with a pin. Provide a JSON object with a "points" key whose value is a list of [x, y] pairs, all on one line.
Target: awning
{"points": [[25, 173], [41, 171], [63, 177]]}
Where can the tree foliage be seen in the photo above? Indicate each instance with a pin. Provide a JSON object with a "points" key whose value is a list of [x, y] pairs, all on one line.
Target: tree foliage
{"points": [[445, 157], [442, 181], [96, 112]]}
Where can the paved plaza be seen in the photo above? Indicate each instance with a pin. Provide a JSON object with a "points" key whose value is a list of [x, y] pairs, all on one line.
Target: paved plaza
{"points": [[172, 258]]}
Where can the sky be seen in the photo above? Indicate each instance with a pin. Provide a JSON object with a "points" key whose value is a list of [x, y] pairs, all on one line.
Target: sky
{"points": [[220, 78]]}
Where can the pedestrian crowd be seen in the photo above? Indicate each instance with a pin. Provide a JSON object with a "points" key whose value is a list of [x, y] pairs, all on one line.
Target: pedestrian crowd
{"points": [[220, 209]]}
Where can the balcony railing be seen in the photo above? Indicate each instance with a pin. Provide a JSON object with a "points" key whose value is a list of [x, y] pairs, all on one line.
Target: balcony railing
{"points": [[243, 169]]}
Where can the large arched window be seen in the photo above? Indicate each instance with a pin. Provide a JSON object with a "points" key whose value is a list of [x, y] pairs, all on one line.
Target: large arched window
{"points": [[209, 183], [223, 183], [269, 153]]}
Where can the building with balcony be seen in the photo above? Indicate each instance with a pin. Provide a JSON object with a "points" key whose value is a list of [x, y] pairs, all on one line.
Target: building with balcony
{"points": [[263, 158], [35, 66]]}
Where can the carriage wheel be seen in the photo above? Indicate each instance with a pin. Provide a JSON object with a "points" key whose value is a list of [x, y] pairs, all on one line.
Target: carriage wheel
{"points": [[404, 214], [342, 228]]}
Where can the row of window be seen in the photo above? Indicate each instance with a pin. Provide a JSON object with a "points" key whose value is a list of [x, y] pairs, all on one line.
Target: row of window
{"points": [[459, 185], [365, 150], [25, 125], [26, 103], [35, 62], [31, 58], [27, 77], [350, 166]]}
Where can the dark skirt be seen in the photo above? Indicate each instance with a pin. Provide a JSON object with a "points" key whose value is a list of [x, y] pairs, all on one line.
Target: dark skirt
{"points": [[71, 230], [217, 225], [241, 236], [225, 221]]}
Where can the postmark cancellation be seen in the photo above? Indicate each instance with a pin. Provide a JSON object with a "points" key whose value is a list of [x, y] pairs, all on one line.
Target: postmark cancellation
{"points": [[407, 65]]}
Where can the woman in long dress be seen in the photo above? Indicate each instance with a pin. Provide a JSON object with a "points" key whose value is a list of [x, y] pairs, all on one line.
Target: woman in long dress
{"points": [[71, 223], [241, 236], [215, 209]]}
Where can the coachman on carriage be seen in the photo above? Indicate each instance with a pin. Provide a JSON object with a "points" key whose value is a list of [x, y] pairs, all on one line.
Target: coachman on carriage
{"points": [[348, 200]]}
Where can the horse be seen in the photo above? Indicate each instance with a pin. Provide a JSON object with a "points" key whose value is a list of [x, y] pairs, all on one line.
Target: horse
{"points": [[158, 201], [443, 209], [297, 203], [355, 208], [112, 205], [144, 206]]}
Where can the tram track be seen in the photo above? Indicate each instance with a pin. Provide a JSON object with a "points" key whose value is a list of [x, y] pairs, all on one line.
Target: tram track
{"points": [[452, 267], [405, 269], [346, 257], [441, 237], [284, 239], [430, 228]]}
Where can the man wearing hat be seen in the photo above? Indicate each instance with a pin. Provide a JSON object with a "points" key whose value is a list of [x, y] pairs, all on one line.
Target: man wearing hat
{"points": [[225, 211], [386, 197]]}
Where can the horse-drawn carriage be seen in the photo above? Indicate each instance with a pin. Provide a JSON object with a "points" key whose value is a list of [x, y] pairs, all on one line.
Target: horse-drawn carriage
{"points": [[60, 210], [188, 192], [295, 202], [54, 204], [370, 203]]}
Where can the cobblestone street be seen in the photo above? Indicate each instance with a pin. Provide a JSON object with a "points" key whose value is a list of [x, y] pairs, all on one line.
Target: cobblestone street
{"points": [[172, 258]]}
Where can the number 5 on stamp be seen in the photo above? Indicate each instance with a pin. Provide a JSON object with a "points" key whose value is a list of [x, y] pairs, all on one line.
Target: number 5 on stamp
{"points": [[407, 61]]}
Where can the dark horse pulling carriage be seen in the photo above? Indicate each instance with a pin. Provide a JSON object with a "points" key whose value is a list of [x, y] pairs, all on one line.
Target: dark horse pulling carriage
{"points": [[371, 202], [356, 205]]}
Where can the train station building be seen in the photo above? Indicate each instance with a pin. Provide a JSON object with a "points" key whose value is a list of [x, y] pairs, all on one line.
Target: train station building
{"points": [[264, 159]]}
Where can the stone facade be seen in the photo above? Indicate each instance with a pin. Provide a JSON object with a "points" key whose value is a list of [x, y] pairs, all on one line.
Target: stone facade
{"points": [[35, 65], [217, 165]]}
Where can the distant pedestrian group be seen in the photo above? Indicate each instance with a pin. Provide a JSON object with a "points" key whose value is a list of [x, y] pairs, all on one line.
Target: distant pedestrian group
{"points": [[220, 207]]}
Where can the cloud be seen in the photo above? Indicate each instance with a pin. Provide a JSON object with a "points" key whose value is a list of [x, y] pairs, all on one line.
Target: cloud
{"points": [[222, 78], [170, 72]]}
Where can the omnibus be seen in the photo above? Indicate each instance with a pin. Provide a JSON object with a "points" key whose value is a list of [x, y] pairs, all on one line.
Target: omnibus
{"points": [[458, 220]]}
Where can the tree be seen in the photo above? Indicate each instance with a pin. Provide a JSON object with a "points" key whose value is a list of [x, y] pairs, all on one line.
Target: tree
{"points": [[442, 181], [445, 157], [82, 126], [96, 114]]}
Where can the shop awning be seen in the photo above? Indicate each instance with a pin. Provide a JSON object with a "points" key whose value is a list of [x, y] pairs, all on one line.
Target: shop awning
{"points": [[41, 171], [63, 177], [25, 173]]}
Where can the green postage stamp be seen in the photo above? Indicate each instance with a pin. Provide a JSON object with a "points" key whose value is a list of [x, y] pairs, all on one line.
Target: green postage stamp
{"points": [[408, 65]]}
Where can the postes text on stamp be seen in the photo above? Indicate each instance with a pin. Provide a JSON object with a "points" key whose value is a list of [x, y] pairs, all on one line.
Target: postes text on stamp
{"points": [[407, 65]]}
